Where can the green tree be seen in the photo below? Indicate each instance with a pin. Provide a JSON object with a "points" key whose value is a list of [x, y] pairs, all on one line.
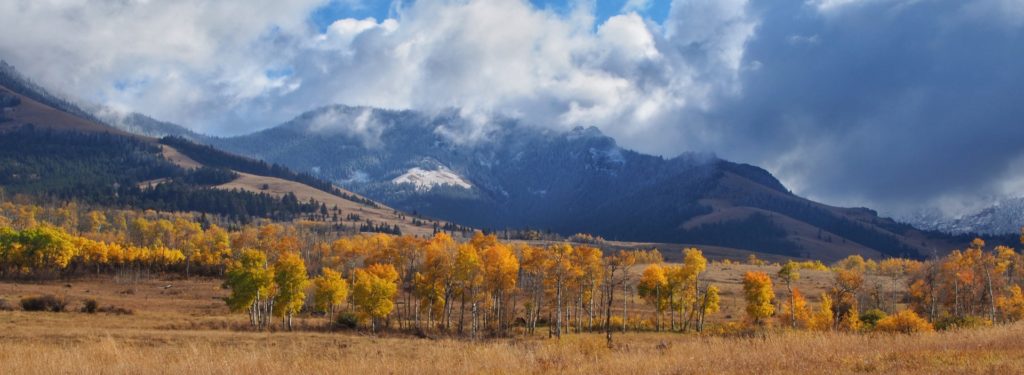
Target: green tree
{"points": [[252, 287]]}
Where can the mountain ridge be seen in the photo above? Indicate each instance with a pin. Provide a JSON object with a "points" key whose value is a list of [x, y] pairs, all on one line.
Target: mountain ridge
{"points": [[572, 181], [54, 149]]}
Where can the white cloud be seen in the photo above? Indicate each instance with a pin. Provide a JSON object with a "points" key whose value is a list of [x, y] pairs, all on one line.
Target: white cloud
{"points": [[234, 66], [771, 83], [358, 123], [180, 60]]}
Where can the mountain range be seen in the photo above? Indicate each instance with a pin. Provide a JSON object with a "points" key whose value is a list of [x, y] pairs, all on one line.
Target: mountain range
{"points": [[504, 174], [507, 174]]}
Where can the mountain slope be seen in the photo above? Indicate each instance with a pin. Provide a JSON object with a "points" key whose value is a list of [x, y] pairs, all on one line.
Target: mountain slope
{"points": [[51, 149], [511, 175]]}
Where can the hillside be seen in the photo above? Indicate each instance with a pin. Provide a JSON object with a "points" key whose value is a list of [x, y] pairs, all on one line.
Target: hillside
{"points": [[53, 150], [518, 176]]}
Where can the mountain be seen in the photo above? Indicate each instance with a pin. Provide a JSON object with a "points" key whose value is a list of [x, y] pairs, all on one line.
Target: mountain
{"points": [[505, 174], [1004, 217], [52, 149], [137, 123]]}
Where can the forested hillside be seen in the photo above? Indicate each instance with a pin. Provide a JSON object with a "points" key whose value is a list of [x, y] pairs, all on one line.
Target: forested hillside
{"points": [[121, 171]]}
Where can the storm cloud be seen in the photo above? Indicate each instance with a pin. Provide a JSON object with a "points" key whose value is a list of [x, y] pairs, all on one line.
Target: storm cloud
{"points": [[892, 104]]}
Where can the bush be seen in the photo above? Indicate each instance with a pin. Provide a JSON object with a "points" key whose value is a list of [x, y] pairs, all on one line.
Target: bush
{"points": [[90, 306], [905, 321], [871, 317], [43, 303], [347, 320], [115, 310], [963, 322], [5, 306]]}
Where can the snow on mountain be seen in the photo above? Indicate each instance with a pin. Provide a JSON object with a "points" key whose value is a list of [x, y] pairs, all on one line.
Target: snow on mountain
{"points": [[1004, 217], [425, 180]]}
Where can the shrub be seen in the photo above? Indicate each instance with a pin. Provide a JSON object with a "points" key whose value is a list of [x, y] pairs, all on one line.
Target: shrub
{"points": [[963, 322], [5, 306], [43, 303], [115, 310], [347, 320], [905, 321], [90, 306], [871, 317]]}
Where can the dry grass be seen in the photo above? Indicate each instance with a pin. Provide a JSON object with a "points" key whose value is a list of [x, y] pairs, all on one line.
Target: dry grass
{"points": [[185, 329], [71, 344]]}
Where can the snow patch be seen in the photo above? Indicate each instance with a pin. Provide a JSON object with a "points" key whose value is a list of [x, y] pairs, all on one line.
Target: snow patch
{"points": [[425, 180]]}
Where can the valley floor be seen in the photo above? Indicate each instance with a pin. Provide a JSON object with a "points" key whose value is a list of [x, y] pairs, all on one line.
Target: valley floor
{"points": [[181, 327]]}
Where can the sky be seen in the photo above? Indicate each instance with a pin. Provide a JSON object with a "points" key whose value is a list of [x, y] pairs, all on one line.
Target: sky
{"points": [[890, 104]]}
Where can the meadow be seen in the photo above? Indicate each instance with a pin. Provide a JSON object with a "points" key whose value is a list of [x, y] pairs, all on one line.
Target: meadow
{"points": [[183, 326]]}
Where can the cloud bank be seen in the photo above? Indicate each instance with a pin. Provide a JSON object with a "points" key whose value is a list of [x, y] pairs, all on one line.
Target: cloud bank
{"points": [[888, 103]]}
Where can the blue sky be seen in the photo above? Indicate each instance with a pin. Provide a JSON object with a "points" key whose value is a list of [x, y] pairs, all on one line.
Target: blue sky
{"points": [[656, 10]]}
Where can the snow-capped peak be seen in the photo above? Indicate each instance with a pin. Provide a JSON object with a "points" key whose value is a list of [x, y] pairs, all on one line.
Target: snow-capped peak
{"points": [[425, 180]]}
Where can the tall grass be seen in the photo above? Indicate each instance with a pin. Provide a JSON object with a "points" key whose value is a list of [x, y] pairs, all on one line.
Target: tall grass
{"points": [[50, 348]]}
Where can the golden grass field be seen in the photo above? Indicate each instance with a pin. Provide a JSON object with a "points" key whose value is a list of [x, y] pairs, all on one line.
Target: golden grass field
{"points": [[186, 329]]}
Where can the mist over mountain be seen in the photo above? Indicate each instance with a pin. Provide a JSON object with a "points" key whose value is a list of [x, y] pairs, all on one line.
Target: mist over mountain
{"points": [[513, 175], [1004, 217]]}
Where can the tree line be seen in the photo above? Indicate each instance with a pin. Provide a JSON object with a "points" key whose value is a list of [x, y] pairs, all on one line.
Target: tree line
{"points": [[484, 287]]}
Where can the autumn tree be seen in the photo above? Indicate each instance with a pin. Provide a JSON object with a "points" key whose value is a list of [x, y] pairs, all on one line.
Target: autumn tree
{"points": [[330, 291], [790, 273], [709, 304], [1012, 305], [795, 311], [652, 286], [615, 271], [760, 297], [560, 269], [823, 319], [846, 284], [694, 264], [468, 276], [439, 272], [252, 287], [533, 264], [374, 291], [291, 280], [500, 270]]}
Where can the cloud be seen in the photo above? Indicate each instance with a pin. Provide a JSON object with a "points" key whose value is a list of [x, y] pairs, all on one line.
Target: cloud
{"points": [[358, 123], [888, 103], [896, 104]]}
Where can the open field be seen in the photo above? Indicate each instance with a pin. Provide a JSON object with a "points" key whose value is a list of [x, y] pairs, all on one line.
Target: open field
{"points": [[182, 326]]}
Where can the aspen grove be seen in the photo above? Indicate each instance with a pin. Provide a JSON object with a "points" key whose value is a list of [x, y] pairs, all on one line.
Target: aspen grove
{"points": [[481, 286]]}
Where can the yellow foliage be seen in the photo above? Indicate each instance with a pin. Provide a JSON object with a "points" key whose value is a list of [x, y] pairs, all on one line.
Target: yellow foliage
{"points": [[329, 290], [374, 290], [1012, 305], [823, 318], [905, 321], [795, 311], [760, 297]]}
